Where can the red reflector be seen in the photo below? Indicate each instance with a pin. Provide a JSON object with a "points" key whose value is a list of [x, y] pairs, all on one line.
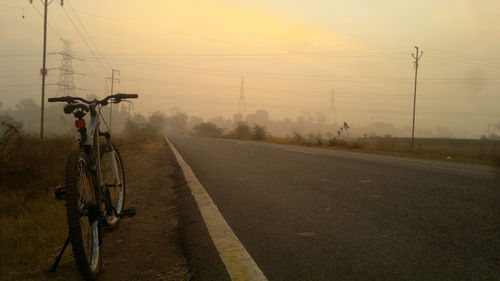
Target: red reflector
{"points": [[80, 123]]}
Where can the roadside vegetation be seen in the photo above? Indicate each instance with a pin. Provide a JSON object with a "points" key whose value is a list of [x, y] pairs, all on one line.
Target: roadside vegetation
{"points": [[33, 224], [483, 150], [308, 129]]}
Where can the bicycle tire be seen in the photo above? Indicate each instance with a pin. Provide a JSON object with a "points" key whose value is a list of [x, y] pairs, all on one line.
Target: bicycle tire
{"points": [[117, 198], [85, 231]]}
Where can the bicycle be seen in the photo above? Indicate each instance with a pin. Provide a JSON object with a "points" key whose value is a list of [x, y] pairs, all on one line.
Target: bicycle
{"points": [[94, 188]]}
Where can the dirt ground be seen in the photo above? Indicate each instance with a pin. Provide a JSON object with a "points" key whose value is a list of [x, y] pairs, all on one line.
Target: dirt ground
{"points": [[145, 247]]}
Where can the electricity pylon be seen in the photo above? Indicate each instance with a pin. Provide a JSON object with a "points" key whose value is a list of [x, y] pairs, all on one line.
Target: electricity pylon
{"points": [[242, 103], [333, 111], [66, 84]]}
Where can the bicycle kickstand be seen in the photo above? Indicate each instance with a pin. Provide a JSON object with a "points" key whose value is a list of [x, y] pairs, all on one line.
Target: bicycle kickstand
{"points": [[58, 258]]}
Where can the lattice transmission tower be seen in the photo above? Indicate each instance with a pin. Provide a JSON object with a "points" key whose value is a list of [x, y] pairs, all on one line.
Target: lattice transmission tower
{"points": [[332, 115], [242, 104], [66, 84]]}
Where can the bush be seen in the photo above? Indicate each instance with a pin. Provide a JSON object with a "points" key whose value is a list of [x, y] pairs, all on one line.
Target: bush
{"points": [[314, 139], [242, 131], [340, 142], [30, 162], [259, 132], [136, 129], [355, 145], [157, 121], [297, 138], [207, 129]]}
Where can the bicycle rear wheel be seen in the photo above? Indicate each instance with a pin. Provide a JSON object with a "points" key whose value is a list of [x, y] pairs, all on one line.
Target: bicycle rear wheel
{"points": [[83, 212], [113, 177]]}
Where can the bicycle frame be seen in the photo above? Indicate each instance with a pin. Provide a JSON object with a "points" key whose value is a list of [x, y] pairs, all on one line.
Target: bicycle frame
{"points": [[89, 142]]}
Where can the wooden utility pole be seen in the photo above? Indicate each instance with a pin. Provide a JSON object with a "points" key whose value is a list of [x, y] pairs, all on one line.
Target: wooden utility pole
{"points": [[417, 57], [43, 71]]}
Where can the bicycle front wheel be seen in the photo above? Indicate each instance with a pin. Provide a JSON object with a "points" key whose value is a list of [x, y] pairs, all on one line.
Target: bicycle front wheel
{"points": [[83, 212], [113, 177]]}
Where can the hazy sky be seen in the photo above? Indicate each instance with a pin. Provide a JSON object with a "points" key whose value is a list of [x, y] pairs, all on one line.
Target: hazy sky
{"points": [[192, 54]]}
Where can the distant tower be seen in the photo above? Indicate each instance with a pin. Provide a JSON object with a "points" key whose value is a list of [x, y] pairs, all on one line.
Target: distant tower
{"points": [[332, 116], [242, 103], [66, 85]]}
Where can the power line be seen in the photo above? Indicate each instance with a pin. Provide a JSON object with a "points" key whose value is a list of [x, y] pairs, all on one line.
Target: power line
{"points": [[88, 35], [350, 109], [304, 77], [295, 92], [85, 41], [95, 74], [453, 53], [474, 63], [48, 23]]}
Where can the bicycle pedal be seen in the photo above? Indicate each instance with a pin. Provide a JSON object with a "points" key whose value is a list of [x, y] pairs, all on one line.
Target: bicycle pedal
{"points": [[127, 213], [60, 193]]}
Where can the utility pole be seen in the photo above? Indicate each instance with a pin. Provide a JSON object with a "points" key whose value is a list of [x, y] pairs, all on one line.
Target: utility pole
{"points": [[417, 57], [43, 71], [242, 102], [112, 78], [332, 112]]}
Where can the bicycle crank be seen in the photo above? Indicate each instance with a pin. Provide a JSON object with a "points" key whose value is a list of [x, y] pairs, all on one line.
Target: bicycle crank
{"points": [[127, 213]]}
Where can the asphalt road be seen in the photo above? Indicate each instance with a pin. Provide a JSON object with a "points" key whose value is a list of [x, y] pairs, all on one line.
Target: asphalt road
{"points": [[314, 214]]}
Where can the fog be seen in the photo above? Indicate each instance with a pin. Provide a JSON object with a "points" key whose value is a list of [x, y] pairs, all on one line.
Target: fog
{"points": [[192, 55]]}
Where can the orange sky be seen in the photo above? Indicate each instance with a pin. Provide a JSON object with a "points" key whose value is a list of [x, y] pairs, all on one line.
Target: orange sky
{"points": [[192, 54]]}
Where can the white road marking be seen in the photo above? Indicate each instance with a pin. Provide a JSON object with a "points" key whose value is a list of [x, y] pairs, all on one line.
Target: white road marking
{"points": [[300, 151], [239, 264]]}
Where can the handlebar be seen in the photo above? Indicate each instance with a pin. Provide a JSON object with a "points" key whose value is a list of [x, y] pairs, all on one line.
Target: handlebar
{"points": [[116, 99], [68, 99]]}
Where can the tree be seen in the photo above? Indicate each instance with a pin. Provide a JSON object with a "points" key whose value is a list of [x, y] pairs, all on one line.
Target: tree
{"points": [[207, 129], [194, 121], [157, 121], [242, 131], [178, 122], [259, 132]]}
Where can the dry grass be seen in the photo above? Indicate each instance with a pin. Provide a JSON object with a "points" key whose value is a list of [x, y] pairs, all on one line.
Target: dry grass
{"points": [[34, 224], [477, 151], [33, 230], [33, 164]]}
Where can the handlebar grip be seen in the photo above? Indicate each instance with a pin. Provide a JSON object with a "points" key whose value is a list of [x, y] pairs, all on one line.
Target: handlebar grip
{"points": [[57, 99], [127, 96]]}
